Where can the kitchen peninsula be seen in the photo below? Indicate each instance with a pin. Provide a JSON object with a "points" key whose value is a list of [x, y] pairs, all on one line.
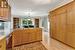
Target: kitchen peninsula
{"points": [[24, 36]]}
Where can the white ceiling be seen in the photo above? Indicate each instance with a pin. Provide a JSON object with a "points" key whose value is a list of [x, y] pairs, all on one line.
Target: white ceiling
{"points": [[36, 7]]}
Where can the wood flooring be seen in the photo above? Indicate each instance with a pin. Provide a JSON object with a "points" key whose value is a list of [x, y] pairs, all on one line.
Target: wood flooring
{"points": [[32, 46]]}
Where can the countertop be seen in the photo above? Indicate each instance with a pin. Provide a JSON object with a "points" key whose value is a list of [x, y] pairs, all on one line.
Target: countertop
{"points": [[2, 37]]}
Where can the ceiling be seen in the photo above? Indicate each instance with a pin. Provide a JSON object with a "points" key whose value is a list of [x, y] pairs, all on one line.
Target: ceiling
{"points": [[34, 7]]}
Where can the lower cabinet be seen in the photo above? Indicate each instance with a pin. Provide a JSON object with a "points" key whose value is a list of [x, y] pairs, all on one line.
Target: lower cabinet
{"points": [[24, 36], [3, 44]]}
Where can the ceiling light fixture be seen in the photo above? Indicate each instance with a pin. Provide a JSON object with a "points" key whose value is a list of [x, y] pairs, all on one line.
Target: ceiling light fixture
{"points": [[41, 1], [29, 12]]}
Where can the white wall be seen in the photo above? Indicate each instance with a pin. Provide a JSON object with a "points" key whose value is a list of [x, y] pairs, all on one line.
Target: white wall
{"points": [[7, 27], [45, 31], [44, 23]]}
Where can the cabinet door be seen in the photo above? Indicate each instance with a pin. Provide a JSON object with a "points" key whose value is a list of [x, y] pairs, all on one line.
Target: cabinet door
{"points": [[25, 36], [61, 27], [53, 26], [32, 36], [16, 38], [3, 44], [71, 27], [58, 26], [38, 34], [5, 13]]}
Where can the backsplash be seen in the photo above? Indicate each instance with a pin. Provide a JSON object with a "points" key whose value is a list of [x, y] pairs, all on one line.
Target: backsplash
{"points": [[1, 32], [4, 28], [1, 28]]}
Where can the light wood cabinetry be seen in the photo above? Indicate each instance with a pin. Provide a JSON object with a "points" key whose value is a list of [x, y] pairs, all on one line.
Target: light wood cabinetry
{"points": [[63, 24], [24, 36], [5, 10], [5, 13], [70, 38], [3, 44]]}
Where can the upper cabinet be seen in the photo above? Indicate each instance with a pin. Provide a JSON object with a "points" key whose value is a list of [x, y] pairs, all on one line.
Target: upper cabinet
{"points": [[5, 10]]}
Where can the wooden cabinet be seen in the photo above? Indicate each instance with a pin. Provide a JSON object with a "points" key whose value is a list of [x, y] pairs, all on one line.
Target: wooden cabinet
{"points": [[3, 44], [70, 38], [58, 26], [5, 11], [24, 36], [63, 24], [53, 27]]}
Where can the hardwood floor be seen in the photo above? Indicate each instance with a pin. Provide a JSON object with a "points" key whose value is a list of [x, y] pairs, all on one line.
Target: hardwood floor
{"points": [[52, 44], [32, 46], [49, 43], [56, 45]]}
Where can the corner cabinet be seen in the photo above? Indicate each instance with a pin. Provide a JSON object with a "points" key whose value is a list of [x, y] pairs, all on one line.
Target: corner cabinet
{"points": [[63, 24], [5, 13]]}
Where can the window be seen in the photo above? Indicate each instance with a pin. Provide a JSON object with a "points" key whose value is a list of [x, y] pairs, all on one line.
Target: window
{"points": [[27, 23]]}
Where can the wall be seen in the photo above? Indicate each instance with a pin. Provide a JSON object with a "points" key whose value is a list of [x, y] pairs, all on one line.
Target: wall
{"points": [[44, 23]]}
